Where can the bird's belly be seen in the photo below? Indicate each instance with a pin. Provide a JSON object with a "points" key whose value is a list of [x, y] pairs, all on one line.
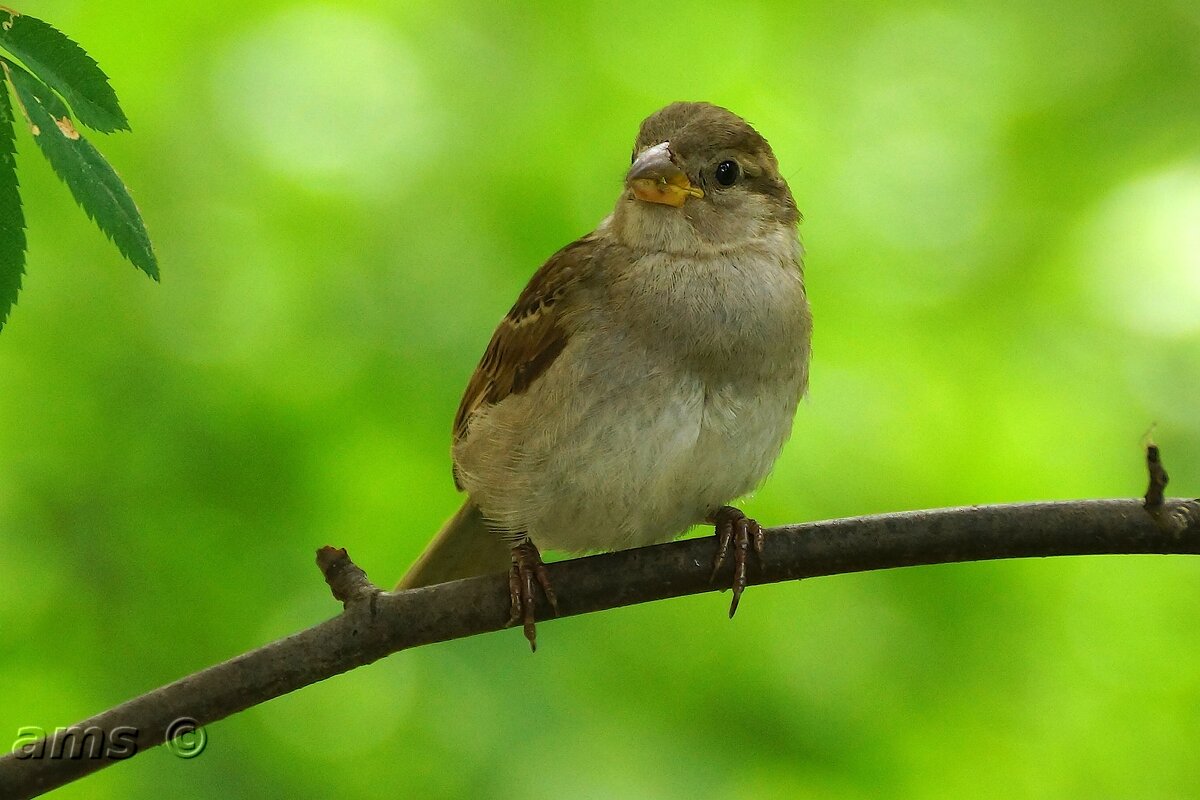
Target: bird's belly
{"points": [[649, 462]]}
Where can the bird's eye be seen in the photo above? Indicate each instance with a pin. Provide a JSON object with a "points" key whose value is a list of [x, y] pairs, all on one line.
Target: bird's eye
{"points": [[727, 173]]}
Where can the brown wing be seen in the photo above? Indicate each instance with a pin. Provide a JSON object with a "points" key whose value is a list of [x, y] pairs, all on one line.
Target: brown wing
{"points": [[529, 338]]}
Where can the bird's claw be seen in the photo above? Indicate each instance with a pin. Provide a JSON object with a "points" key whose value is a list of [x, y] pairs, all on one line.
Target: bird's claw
{"points": [[527, 567], [736, 529]]}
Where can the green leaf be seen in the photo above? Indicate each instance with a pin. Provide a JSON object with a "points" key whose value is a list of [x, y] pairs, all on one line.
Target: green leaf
{"points": [[12, 221], [96, 187], [65, 67]]}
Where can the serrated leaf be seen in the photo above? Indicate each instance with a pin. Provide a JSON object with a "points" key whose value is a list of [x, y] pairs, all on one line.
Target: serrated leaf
{"points": [[12, 220], [65, 67], [96, 187]]}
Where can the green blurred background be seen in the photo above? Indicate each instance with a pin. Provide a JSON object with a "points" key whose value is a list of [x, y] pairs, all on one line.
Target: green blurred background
{"points": [[1002, 218]]}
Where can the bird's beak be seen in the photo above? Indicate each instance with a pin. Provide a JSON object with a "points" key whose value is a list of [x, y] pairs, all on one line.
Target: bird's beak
{"points": [[656, 178]]}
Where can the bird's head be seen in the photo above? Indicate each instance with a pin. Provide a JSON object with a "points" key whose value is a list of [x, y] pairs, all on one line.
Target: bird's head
{"points": [[701, 178]]}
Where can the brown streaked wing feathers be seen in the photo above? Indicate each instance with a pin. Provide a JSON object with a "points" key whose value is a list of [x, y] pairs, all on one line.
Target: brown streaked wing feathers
{"points": [[528, 339]]}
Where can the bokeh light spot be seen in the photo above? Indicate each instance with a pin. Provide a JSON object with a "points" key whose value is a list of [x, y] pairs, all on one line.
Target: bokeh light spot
{"points": [[327, 96], [1140, 253]]}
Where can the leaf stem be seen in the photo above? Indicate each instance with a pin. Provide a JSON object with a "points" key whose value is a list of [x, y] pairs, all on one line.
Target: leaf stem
{"points": [[8, 78]]}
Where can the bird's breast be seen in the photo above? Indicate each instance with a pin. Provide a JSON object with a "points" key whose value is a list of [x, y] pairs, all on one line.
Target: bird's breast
{"points": [[738, 312]]}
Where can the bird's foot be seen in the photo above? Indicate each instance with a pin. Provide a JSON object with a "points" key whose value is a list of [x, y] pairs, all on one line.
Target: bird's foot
{"points": [[527, 567], [734, 527]]}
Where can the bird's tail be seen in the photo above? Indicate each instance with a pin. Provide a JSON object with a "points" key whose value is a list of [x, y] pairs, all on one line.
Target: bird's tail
{"points": [[463, 548]]}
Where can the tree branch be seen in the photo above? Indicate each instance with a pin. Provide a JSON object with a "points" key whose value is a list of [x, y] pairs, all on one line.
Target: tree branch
{"points": [[375, 624]]}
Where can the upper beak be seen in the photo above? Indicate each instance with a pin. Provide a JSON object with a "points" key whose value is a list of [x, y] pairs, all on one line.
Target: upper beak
{"points": [[656, 178]]}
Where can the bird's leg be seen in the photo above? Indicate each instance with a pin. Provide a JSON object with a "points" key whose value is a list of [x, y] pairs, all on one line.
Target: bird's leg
{"points": [[527, 566], [734, 527]]}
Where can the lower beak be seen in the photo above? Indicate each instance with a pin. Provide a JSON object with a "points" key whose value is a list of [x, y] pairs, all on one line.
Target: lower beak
{"points": [[655, 178]]}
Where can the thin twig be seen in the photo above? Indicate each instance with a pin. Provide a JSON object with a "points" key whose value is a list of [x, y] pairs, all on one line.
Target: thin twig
{"points": [[1156, 491], [346, 580]]}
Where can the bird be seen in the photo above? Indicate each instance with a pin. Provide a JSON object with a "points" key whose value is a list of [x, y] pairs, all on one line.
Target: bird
{"points": [[647, 375]]}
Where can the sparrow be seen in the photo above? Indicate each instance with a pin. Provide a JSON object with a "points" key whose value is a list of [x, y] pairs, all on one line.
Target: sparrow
{"points": [[645, 378]]}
